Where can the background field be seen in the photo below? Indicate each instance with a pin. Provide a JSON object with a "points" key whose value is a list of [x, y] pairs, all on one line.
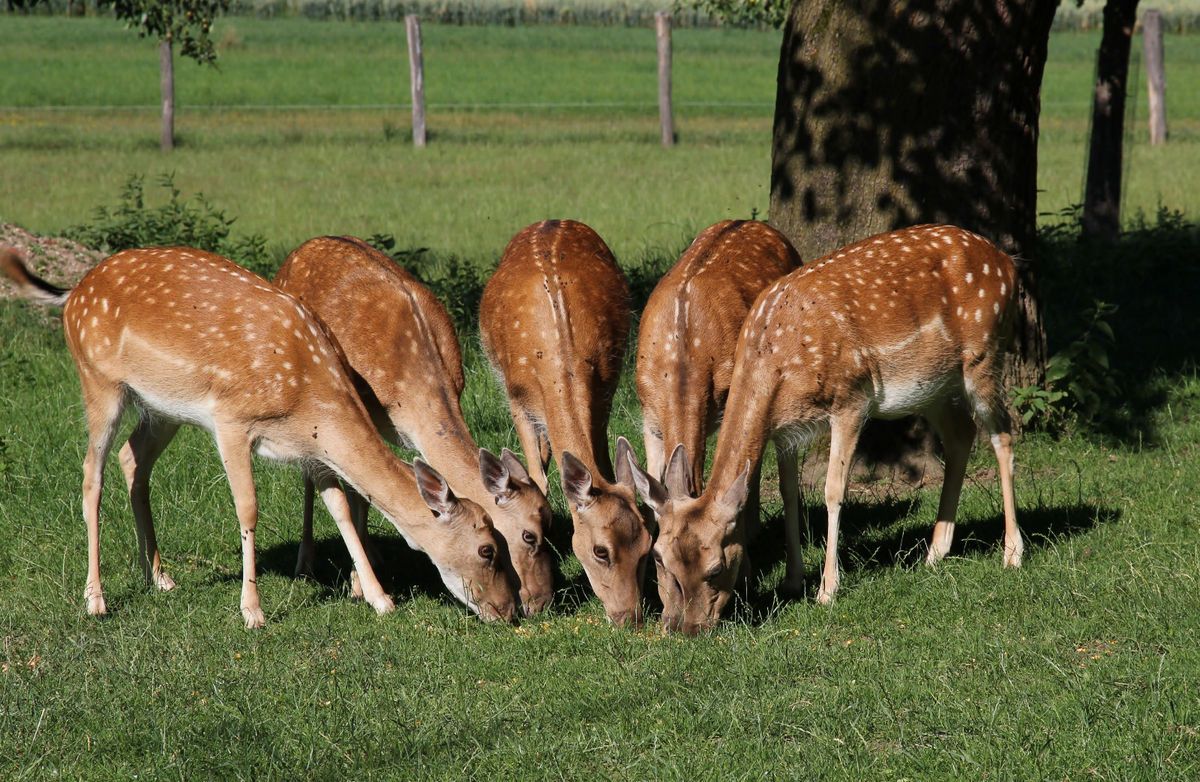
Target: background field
{"points": [[499, 159], [1083, 665]]}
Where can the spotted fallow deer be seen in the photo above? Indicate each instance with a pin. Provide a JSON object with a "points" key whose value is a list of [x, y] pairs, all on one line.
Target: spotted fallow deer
{"points": [[554, 320], [401, 344], [688, 334], [190, 337], [910, 322]]}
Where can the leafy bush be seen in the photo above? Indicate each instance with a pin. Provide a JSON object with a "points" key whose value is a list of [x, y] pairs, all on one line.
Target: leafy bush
{"points": [[1080, 381], [193, 222]]}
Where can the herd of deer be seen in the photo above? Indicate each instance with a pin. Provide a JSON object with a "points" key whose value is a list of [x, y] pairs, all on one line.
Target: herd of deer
{"points": [[345, 345]]}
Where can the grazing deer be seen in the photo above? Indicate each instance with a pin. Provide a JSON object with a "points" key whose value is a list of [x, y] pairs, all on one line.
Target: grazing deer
{"points": [[400, 342], [908, 322], [554, 320], [688, 334], [190, 337]]}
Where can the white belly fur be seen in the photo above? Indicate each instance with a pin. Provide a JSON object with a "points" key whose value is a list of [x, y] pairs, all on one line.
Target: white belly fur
{"points": [[896, 397]]}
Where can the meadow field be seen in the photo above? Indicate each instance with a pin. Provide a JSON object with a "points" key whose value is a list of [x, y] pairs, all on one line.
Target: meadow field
{"points": [[525, 123], [1082, 665]]}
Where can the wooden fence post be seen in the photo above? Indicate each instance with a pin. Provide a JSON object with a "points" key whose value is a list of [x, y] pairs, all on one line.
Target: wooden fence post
{"points": [[416, 69], [1156, 78], [166, 77], [662, 32]]}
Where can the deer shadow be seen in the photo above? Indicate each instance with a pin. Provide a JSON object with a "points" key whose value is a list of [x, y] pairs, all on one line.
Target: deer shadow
{"points": [[400, 569], [905, 547]]}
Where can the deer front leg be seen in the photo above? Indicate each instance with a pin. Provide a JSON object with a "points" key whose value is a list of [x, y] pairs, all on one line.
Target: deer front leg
{"points": [[535, 456], [843, 436], [234, 447], [752, 512], [369, 587], [149, 439], [655, 449], [358, 513], [307, 553], [789, 487]]}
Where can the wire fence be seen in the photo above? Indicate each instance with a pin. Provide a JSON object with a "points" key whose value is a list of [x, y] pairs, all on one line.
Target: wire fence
{"points": [[493, 106]]}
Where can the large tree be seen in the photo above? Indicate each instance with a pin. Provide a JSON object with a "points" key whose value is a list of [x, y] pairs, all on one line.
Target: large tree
{"points": [[895, 112]]}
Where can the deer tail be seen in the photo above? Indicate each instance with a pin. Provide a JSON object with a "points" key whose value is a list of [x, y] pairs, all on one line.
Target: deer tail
{"points": [[28, 284]]}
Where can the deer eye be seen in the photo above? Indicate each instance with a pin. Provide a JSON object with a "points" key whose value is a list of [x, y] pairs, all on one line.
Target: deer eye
{"points": [[714, 572], [600, 553], [657, 556], [529, 538], [488, 552]]}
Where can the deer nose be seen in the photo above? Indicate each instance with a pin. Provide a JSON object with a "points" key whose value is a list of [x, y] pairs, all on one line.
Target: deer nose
{"points": [[631, 618], [532, 604]]}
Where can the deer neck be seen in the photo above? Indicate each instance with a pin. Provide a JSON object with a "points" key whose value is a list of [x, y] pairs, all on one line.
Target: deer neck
{"points": [[388, 483], [744, 432]]}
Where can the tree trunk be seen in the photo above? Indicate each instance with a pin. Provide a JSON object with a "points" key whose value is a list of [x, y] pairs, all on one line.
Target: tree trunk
{"points": [[166, 67], [1102, 194], [892, 113]]}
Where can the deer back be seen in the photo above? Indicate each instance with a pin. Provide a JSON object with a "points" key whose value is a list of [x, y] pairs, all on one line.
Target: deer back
{"points": [[397, 336], [200, 338], [554, 320], [690, 326]]}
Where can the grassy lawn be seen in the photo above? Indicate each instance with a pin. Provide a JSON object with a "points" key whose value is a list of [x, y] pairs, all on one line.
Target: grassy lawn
{"points": [[1082, 665]]}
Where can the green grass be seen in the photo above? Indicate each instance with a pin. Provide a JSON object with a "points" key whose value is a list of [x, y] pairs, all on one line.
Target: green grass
{"points": [[1083, 664], [291, 174]]}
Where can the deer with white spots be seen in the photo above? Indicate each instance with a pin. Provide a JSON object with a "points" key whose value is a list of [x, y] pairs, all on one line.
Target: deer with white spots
{"points": [[554, 320], [686, 342], [909, 322], [190, 337], [401, 344]]}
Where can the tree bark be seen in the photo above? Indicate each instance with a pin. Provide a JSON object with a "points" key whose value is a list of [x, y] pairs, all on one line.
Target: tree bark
{"points": [[1102, 194], [166, 67], [891, 113]]}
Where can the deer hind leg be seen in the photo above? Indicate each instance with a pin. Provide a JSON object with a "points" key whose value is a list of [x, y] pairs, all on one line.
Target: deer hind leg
{"points": [[956, 428], [537, 456], [844, 429], [364, 580], [234, 447], [149, 439], [789, 487], [104, 404], [987, 396], [307, 553]]}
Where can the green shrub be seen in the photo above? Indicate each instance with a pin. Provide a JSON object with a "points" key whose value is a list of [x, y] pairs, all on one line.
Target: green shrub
{"points": [[180, 222]]}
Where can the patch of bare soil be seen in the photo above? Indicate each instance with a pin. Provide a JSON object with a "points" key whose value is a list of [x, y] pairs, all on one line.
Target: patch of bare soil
{"points": [[60, 261]]}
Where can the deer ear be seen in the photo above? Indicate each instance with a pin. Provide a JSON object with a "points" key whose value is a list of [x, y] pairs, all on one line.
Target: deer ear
{"points": [[735, 496], [495, 476], [679, 474], [651, 491], [513, 464], [625, 458], [434, 489], [576, 481]]}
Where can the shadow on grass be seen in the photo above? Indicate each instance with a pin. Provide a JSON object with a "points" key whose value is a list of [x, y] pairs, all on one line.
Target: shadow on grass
{"points": [[905, 547], [400, 569]]}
